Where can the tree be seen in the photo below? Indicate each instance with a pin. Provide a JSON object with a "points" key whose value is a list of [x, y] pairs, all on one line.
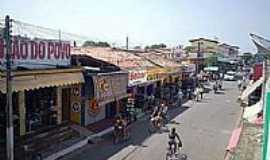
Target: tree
{"points": [[146, 47], [103, 44], [89, 44], [96, 44], [137, 47], [189, 49], [211, 60], [247, 57]]}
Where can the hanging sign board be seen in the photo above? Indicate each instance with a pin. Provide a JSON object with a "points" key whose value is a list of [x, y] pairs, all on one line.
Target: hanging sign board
{"points": [[136, 77], [36, 53]]}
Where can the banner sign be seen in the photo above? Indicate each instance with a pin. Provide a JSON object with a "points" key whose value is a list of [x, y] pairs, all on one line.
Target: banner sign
{"points": [[136, 77], [36, 53], [190, 68], [110, 87], [155, 74]]}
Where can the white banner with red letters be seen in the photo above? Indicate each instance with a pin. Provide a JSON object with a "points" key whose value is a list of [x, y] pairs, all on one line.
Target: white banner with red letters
{"points": [[35, 53], [136, 77]]}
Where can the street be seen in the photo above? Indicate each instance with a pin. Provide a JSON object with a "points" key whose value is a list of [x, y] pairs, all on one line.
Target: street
{"points": [[204, 127]]}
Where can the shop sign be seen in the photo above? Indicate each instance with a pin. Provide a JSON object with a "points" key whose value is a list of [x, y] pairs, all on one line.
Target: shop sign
{"points": [[151, 77], [136, 77], [36, 53], [93, 109], [110, 87], [76, 107], [190, 68]]}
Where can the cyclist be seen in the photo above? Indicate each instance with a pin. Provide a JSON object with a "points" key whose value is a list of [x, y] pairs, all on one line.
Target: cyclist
{"points": [[173, 135]]}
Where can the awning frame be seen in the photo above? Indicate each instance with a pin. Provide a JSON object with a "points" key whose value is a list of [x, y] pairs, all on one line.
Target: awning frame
{"points": [[35, 79]]}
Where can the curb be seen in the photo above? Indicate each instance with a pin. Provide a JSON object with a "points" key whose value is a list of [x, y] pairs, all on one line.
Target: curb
{"points": [[228, 155]]}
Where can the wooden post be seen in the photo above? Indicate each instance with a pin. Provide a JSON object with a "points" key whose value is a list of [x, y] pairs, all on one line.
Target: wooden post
{"points": [[22, 112], [59, 105]]}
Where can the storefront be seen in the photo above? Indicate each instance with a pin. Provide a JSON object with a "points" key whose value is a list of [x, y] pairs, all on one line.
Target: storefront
{"points": [[44, 98], [105, 95], [188, 81], [43, 94]]}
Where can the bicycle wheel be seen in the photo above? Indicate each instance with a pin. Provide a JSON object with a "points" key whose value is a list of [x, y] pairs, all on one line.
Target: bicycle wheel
{"points": [[168, 156]]}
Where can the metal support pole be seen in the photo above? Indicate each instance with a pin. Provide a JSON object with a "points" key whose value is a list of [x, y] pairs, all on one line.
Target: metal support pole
{"points": [[9, 112]]}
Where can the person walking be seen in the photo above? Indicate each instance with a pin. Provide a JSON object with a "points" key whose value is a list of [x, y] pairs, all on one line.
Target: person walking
{"points": [[180, 97], [201, 91]]}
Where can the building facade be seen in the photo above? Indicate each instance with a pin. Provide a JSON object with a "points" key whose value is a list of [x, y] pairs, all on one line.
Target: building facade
{"points": [[228, 50], [204, 45]]}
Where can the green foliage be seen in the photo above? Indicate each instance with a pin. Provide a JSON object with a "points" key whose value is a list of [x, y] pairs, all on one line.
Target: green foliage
{"points": [[211, 60], [156, 46], [247, 57], [96, 44], [189, 49]]}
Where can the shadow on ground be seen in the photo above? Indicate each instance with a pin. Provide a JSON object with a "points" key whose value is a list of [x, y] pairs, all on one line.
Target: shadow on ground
{"points": [[104, 148]]}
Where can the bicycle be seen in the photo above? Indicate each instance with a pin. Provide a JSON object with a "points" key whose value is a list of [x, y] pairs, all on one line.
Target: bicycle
{"points": [[172, 155]]}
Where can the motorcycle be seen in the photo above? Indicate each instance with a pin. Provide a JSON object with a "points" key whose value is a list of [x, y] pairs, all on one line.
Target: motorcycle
{"points": [[155, 123], [120, 134]]}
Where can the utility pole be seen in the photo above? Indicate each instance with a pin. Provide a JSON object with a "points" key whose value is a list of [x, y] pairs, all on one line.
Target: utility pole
{"points": [[9, 112], [59, 35], [198, 57], [127, 42]]}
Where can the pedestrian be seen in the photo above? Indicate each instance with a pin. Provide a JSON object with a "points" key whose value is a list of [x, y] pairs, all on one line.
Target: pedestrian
{"points": [[196, 93], [180, 97], [201, 91], [239, 84]]}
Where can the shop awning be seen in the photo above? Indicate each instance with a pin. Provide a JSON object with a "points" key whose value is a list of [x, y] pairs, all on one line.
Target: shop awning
{"points": [[213, 68], [35, 81], [251, 112], [251, 88]]}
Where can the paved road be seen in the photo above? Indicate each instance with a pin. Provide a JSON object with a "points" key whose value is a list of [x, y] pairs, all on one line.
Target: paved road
{"points": [[204, 127]]}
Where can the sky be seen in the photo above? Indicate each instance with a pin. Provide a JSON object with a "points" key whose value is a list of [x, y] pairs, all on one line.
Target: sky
{"points": [[145, 22]]}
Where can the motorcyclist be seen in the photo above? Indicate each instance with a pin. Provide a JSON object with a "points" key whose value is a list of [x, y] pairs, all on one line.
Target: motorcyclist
{"points": [[156, 115], [119, 125], [164, 110], [173, 135]]}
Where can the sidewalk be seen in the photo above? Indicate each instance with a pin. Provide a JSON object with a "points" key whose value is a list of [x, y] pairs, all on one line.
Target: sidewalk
{"points": [[250, 144], [245, 142]]}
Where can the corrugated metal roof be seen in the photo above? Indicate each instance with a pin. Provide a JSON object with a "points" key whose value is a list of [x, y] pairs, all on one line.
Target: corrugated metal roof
{"points": [[121, 58]]}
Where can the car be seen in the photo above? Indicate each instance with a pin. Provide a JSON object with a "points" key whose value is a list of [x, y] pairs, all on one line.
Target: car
{"points": [[230, 76]]}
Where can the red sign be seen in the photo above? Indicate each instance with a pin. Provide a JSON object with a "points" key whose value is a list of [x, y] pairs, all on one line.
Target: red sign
{"points": [[136, 75], [36, 53]]}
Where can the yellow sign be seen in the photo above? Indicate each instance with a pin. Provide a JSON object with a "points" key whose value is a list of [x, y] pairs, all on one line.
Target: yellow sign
{"points": [[75, 106], [76, 112], [155, 73]]}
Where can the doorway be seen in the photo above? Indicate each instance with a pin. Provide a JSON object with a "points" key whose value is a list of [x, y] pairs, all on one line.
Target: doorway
{"points": [[111, 110], [65, 104]]}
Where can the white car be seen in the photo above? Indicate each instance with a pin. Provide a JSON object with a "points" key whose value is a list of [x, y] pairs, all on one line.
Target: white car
{"points": [[229, 76]]}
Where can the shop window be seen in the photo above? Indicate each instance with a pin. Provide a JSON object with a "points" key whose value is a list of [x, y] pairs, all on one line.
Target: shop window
{"points": [[41, 108], [3, 115]]}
